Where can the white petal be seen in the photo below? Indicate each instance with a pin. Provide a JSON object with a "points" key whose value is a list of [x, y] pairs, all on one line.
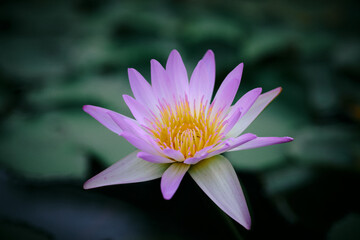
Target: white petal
{"points": [[217, 178], [130, 169]]}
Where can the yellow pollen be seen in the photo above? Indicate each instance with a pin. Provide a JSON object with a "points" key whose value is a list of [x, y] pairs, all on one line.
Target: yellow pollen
{"points": [[186, 129]]}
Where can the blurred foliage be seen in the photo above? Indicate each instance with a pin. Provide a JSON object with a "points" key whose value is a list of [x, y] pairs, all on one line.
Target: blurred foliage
{"points": [[56, 56]]}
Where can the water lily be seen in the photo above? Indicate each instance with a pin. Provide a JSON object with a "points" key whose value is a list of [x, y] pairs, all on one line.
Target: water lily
{"points": [[178, 129]]}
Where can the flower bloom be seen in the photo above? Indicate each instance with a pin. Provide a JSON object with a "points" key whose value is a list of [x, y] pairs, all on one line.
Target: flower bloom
{"points": [[178, 129]]}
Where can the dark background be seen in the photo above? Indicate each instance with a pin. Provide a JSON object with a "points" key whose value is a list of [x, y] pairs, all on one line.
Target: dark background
{"points": [[56, 56]]}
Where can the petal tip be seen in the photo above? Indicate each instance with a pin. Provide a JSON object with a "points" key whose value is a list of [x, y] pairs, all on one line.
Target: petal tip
{"points": [[209, 52], [258, 90], [126, 97], [131, 70], [247, 225], [87, 185], [154, 61], [289, 139], [174, 51], [167, 195], [86, 108]]}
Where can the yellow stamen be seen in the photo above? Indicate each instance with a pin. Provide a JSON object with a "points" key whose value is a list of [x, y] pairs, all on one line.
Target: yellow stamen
{"points": [[184, 129]]}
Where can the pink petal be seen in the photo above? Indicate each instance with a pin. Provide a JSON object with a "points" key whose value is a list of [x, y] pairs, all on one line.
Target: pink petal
{"points": [[153, 158], [209, 63], [177, 74], [233, 119], [200, 155], [262, 142], [227, 91], [142, 89], [128, 125], [102, 115], [203, 79], [140, 143], [174, 154], [138, 110], [231, 143], [259, 105], [198, 82], [160, 82], [171, 179], [246, 101], [128, 170], [217, 178]]}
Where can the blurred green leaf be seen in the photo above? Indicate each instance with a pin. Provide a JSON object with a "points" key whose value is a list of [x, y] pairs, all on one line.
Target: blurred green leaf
{"points": [[267, 42], [286, 178], [333, 145], [39, 148], [56, 145], [104, 91], [207, 28], [348, 228]]}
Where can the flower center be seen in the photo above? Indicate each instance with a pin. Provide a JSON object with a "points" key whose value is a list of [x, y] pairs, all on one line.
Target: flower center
{"points": [[186, 129]]}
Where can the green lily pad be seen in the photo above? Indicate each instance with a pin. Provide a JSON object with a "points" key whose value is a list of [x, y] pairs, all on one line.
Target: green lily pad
{"points": [[39, 148]]}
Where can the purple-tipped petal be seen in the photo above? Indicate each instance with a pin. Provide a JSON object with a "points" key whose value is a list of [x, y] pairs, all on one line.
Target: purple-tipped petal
{"points": [[128, 125], [231, 143], [171, 179], [174, 154], [193, 160], [233, 119], [227, 91], [217, 178], [141, 89], [140, 143], [177, 74], [153, 158], [102, 115], [259, 105], [200, 155], [130, 169], [160, 82], [246, 101], [262, 142], [209, 63], [199, 82], [138, 110]]}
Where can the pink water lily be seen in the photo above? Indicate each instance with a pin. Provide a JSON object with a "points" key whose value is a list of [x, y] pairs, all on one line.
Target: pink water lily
{"points": [[178, 129]]}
